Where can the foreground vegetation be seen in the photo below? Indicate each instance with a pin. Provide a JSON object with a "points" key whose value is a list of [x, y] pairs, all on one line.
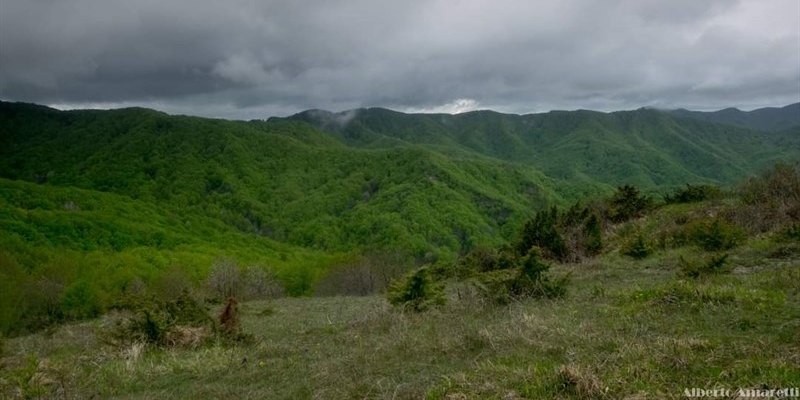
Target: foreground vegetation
{"points": [[703, 292], [626, 329]]}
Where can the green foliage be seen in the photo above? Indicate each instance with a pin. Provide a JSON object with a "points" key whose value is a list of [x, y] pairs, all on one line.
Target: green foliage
{"points": [[495, 286], [769, 200], [616, 315], [637, 248], [108, 241], [764, 119], [532, 280], [791, 232], [280, 180], [714, 234], [562, 236], [92, 201], [466, 181], [693, 194], [80, 301], [485, 260], [582, 232], [162, 323], [627, 202], [777, 185], [594, 235], [13, 282], [541, 232], [529, 279], [716, 264], [648, 148], [417, 291]]}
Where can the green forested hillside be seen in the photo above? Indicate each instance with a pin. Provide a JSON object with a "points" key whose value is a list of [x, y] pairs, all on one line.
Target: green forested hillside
{"points": [[70, 253], [765, 119], [432, 184], [99, 198], [649, 148], [282, 180]]}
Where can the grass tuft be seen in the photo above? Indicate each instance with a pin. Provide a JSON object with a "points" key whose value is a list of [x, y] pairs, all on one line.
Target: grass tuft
{"points": [[580, 383]]}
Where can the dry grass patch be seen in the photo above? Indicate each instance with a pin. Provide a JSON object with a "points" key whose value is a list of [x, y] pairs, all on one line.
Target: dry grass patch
{"points": [[581, 383]]}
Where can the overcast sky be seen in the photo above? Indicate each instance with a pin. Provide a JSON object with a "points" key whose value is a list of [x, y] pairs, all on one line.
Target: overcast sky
{"points": [[256, 58]]}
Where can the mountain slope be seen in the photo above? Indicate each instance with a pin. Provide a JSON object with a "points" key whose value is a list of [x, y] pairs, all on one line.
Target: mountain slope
{"points": [[765, 119], [284, 180], [115, 238], [643, 147], [92, 202], [432, 184]]}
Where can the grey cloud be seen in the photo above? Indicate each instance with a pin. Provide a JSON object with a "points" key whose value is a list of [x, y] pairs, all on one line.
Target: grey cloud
{"points": [[252, 59]]}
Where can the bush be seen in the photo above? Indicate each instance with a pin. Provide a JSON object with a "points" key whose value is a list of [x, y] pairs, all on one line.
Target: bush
{"points": [[769, 200], [714, 265], [17, 314], [353, 279], [259, 283], [637, 248], [484, 260], [627, 203], [363, 276], [582, 230], [169, 284], [531, 280], [790, 233], [226, 279], [779, 185], [163, 323], [80, 300], [593, 234], [540, 231], [416, 292], [528, 280], [563, 236], [693, 194], [715, 234], [494, 286]]}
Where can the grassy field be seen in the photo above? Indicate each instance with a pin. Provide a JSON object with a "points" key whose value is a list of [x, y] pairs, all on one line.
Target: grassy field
{"points": [[627, 329]]}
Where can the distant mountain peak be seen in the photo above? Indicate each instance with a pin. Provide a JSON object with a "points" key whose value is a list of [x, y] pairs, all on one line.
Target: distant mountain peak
{"points": [[764, 119]]}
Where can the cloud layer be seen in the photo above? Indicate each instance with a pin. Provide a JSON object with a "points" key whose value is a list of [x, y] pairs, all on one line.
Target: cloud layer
{"points": [[255, 58]]}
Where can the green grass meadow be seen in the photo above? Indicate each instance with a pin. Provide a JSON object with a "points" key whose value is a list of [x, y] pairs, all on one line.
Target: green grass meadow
{"points": [[627, 329]]}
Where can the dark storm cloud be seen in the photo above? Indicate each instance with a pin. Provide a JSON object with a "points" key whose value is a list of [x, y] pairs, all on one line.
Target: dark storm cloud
{"points": [[250, 58]]}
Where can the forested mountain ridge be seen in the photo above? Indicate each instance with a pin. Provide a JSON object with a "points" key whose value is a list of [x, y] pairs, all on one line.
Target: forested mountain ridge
{"points": [[374, 177], [646, 147], [92, 201], [283, 180], [766, 119]]}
